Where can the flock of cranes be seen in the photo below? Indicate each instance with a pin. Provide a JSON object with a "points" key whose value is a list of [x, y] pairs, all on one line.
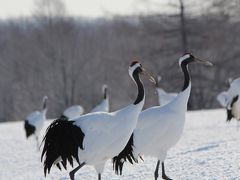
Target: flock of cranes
{"points": [[126, 134]]}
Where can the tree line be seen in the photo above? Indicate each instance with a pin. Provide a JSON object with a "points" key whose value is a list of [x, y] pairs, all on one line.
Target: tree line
{"points": [[69, 59]]}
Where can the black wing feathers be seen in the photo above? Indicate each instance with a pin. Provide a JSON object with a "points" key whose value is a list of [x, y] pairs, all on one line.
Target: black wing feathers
{"points": [[62, 140], [30, 129], [124, 155]]}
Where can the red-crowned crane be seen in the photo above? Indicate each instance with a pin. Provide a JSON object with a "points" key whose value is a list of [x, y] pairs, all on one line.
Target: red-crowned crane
{"points": [[159, 128], [104, 105], [95, 137]]}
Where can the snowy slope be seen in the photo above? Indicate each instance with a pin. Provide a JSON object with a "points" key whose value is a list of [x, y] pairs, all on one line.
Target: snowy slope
{"points": [[208, 149]]}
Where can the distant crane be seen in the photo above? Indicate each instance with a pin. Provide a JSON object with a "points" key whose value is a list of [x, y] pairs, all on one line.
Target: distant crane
{"points": [[34, 121], [163, 96], [104, 105], [230, 100], [95, 137], [159, 128]]}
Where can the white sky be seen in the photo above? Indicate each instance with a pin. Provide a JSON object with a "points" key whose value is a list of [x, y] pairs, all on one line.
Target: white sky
{"points": [[89, 8]]}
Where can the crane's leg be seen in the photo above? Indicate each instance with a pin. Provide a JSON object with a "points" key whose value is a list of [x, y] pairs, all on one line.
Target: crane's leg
{"points": [[156, 170], [164, 176], [71, 174], [99, 176]]}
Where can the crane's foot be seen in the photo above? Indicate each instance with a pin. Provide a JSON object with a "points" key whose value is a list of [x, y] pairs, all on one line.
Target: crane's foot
{"points": [[164, 176]]}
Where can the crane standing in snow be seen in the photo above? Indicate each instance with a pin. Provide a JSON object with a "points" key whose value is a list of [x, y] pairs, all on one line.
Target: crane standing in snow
{"points": [[95, 137], [35, 120], [159, 128]]}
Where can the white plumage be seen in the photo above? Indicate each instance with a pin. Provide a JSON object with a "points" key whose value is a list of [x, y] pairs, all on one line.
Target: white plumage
{"points": [[93, 138], [159, 128], [73, 112], [223, 98], [234, 88], [35, 120], [163, 96]]}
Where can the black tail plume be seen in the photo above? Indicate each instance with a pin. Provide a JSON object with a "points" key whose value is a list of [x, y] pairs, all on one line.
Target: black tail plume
{"points": [[61, 141], [123, 156], [229, 115], [30, 129]]}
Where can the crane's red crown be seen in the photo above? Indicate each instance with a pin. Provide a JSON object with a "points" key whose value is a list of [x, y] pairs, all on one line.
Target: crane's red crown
{"points": [[133, 63]]}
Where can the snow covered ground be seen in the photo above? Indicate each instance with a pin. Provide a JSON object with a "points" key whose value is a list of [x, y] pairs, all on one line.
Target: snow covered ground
{"points": [[208, 149]]}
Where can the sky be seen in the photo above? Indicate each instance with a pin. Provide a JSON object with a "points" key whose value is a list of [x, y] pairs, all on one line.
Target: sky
{"points": [[87, 8]]}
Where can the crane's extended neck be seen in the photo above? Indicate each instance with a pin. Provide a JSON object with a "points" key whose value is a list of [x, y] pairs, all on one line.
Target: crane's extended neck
{"points": [[180, 102], [141, 94]]}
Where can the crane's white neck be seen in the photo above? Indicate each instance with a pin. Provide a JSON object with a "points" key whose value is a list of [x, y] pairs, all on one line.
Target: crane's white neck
{"points": [[181, 101]]}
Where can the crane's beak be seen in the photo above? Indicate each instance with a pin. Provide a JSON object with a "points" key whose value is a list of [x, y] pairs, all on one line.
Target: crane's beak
{"points": [[208, 63], [151, 78]]}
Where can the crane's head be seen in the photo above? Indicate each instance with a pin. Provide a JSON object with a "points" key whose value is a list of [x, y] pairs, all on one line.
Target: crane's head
{"points": [[45, 98], [136, 68], [188, 58]]}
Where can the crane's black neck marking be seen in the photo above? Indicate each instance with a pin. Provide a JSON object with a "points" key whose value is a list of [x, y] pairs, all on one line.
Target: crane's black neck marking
{"points": [[105, 93], [184, 67], [139, 85]]}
